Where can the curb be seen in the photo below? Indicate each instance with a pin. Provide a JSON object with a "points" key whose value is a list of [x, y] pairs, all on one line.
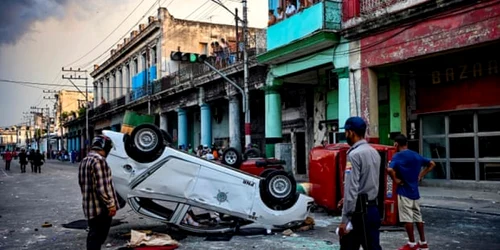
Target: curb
{"points": [[460, 210]]}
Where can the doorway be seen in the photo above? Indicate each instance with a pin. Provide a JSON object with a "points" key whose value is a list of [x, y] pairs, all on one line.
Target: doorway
{"points": [[301, 152]]}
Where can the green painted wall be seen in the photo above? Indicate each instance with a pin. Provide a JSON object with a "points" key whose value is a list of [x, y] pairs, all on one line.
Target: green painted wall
{"points": [[395, 103], [332, 104]]}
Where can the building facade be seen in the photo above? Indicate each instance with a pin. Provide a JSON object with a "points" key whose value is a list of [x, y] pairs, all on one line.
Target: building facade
{"points": [[429, 69], [307, 85], [190, 101], [69, 105]]}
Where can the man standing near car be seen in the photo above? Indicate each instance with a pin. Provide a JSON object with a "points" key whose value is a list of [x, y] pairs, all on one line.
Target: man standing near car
{"points": [[406, 171], [100, 201], [360, 191]]}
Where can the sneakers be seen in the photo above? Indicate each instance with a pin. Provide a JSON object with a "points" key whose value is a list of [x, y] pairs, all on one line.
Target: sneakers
{"points": [[408, 247], [422, 246]]}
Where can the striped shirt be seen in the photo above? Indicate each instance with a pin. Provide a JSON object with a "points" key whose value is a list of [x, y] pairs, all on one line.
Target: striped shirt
{"points": [[98, 192]]}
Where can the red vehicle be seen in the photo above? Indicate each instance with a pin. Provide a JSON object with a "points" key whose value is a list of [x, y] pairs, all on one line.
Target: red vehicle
{"points": [[251, 162], [326, 175]]}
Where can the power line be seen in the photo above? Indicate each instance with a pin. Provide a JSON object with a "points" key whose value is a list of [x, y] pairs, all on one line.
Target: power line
{"points": [[126, 33], [50, 84], [95, 47]]}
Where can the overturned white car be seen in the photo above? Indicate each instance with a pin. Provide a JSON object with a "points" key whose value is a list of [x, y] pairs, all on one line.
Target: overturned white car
{"points": [[167, 184]]}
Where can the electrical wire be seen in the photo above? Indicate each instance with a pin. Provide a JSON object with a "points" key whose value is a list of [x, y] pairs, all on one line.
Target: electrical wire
{"points": [[114, 30], [119, 40]]}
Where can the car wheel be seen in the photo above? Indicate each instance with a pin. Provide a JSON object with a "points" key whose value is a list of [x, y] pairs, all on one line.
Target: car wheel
{"points": [[231, 157], [145, 144], [279, 187], [252, 153]]}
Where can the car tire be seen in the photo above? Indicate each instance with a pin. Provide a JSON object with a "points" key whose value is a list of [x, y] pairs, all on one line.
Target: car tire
{"points": [[145, 143], [232, 157], [278, 188], [266, 172], [252, 153]]}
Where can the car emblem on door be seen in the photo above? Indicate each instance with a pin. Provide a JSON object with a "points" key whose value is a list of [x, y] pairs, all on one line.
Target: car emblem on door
{"points": [[221, 197]]}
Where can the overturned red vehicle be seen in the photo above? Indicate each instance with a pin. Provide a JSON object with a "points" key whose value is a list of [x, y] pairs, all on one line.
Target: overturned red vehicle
{"points": [[326, 175]]}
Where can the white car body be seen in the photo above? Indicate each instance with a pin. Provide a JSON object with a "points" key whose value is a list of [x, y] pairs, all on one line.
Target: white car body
{"points": [[191, 181]]}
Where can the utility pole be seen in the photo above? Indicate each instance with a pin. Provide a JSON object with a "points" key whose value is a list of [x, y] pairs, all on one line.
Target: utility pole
{"points": [[248, 132], [236, 20], [37, 111], [48, 117], [75, 76], [149, 89]]}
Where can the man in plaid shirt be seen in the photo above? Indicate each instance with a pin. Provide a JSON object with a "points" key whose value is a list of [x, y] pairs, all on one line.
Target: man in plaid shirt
{"points": [[99, 197]]}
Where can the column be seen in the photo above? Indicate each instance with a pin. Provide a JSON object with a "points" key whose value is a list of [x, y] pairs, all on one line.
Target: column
{"points": [[234, 123], [126, 82], [108, 92], [163, 121], [96, 96], [119, 83], [273, 116], [344, 105], [101, 93], [182, 127], [206, 125], [112, 87]]}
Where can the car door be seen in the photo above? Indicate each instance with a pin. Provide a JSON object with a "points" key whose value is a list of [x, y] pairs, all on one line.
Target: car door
{"points": [[222, 188]]}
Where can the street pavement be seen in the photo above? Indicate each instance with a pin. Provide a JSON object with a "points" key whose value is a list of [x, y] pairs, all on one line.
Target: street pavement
{"points": [[28, 200]]}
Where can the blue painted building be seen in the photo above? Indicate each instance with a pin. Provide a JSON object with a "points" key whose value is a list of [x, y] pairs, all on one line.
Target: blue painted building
{"points": [[307, 87]]}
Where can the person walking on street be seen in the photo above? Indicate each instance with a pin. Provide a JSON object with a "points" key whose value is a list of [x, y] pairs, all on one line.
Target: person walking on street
{"points": [[30, 159], [360, 217], [8, 158], [406, 171], [99, 199], [23, 160], [38, 160]]}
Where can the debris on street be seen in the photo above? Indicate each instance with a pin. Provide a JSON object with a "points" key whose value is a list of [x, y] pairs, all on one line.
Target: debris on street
{"points": [[138, 238]]}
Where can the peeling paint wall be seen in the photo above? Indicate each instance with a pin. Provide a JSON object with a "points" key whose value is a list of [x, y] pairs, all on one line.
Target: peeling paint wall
{"points": [[468, 27], [319, 115]]}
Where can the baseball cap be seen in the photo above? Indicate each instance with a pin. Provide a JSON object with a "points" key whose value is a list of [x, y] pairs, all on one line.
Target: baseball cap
{"points": [[102, 142], [354, 123]]}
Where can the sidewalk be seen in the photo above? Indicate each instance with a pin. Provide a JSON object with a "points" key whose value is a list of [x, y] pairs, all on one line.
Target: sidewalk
{"points": [[461, 200]]}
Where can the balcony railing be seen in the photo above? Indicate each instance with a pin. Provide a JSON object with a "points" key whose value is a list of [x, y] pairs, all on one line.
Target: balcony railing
{"points": [[370, 6], [185, 74]]}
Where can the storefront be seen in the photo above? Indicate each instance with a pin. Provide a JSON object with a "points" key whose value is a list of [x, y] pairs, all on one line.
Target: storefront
{"points": [[453, 112]]}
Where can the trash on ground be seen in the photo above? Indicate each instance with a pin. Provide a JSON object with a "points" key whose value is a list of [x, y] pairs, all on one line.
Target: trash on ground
{"points": [[46, 224], [138, 238], [287, 232]]}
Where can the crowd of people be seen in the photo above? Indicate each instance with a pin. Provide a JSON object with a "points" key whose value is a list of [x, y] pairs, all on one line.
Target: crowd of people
{"points": [[34, 158], [209, 153], [291, 8]]}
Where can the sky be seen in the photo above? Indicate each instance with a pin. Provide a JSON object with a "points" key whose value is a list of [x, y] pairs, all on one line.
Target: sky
{"points": [[39, 37]]}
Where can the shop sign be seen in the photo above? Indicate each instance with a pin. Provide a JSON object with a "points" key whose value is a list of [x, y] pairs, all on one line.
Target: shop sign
{"points": [[465, 71]]}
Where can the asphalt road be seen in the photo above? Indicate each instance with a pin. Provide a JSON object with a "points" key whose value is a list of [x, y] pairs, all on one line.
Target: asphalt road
{"points": [[28, 200]]}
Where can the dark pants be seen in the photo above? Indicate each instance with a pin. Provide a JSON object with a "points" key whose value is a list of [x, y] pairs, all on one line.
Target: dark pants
{"points": [[369, 238], [23, 167], [98, 230], [32, 166], [7, 165], [38, 168]]}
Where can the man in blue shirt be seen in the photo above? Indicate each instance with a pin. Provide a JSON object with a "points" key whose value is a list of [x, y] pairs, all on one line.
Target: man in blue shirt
{"points": [[406, 171]]}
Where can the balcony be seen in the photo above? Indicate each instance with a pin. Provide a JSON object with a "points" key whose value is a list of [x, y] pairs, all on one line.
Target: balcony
{"points": [[325, 15], [310, 30]]}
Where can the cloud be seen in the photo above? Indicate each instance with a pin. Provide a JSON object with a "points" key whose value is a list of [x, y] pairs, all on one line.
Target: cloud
{"points": [[17, 16]]}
